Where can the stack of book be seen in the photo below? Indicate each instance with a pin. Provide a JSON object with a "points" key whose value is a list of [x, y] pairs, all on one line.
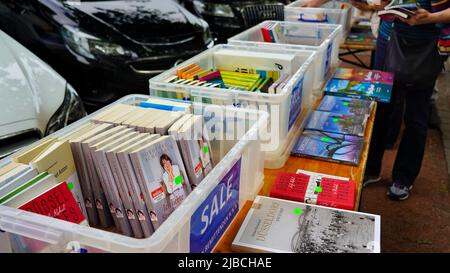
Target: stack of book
{"points": [[335, 131], [240, 70], [271, 32], [276, 225], [128, 168], [362, 84], [396, 9]]}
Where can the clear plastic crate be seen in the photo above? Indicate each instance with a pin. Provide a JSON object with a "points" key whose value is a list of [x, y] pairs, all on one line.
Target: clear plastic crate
{"points": [[240, 157], [283, 107], [325, 39], [332, 12]]}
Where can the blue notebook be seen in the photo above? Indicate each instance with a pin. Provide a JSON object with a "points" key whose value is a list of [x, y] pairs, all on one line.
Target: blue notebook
{"points": [[345, 106], [330, 147], [360, 90], [337, 123]]}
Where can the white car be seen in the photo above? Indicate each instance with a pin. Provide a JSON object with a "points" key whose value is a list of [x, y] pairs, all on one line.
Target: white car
{"points": [[34, 100]]}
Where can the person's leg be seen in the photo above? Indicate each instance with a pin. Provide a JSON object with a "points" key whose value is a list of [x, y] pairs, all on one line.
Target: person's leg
{"points": [[412, 147], [379, 137]]}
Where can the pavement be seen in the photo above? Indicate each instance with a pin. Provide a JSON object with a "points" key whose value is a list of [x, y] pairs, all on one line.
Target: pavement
{"points": [[422, 222]]}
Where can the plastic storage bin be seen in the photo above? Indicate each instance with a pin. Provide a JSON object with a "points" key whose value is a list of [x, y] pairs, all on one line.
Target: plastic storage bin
{"points": [[239, 158], [332, 12], [284, 108], [323, 38]]}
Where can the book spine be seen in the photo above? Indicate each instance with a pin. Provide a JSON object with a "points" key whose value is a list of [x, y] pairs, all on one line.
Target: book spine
{"points": [[136, 193], [125, 194], [111, 204], [86, 188], [140, 178], [266, 35], [116, 197], [100, 202]]}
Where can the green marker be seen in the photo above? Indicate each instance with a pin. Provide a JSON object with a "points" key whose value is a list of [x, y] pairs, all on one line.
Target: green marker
{"points": [[205, 149], [178, 180], [345, 103], [318, 189], [326, 139], [297, 211], [335, 119], [70, 184]]}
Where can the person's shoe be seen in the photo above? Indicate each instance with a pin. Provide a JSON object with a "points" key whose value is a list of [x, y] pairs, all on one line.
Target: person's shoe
{"points": [[398, 192], [370, 179]]}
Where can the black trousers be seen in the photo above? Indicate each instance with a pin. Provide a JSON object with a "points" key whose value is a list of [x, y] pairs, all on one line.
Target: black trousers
{"points": [[412, 146]]}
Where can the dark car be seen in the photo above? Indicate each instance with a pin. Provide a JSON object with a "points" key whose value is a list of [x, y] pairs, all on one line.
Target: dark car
{"points": [[230, 17], [106, 49]]}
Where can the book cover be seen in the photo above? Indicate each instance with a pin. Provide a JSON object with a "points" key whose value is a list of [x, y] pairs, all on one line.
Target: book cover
{"points": [[364, 75], [160, 171], [282, 226], [365, 39], [323, 191], [329, 146], [360, 90], [337, 123], [346, 106], [57, 202]]}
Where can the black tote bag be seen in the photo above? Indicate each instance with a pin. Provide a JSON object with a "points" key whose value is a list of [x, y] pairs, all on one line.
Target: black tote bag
{"points": [[416, 63]]}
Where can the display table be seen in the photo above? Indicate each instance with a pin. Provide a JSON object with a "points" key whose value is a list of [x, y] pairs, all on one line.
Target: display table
{"points": [[367, 45], [355, 173]]}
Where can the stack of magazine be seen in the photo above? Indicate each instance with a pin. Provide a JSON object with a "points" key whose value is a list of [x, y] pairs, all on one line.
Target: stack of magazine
{"points": [[335, 131], [127, 169]]}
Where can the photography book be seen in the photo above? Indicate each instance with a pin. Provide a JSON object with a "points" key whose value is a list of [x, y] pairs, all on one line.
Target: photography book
{"points": [[346, 106], [323, 191], [281, 226], [330, 147], [361, 84], [337, 123]]}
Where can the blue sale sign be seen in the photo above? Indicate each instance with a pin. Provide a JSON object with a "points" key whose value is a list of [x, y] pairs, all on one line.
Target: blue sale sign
{"points": [[215, 214]]}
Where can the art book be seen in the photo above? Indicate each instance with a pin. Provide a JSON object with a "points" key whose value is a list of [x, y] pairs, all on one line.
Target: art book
{"points": [[398, 9], [346, 106], [328, 146], [365, 39], [329, 192], [282, 226], [337, 123], [361, 84], [160, 172]]}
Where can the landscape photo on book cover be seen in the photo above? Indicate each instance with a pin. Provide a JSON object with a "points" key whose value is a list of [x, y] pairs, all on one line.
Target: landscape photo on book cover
{"points": [[276, 225], [329, 146]]}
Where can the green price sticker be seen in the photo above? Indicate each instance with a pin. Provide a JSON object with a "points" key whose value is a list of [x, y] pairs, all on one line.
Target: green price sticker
{"points": [[318, 189], [205, 149], [326, 139], [345, 103], [297, 211], [178, 180], [335, 119], [70, 184]]}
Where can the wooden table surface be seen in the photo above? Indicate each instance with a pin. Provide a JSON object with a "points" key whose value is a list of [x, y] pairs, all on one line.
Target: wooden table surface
{"points": [[355, 173], [357, 47]]}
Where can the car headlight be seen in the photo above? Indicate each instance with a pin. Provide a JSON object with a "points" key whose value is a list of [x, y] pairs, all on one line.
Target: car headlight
{"points": [[89, 46], [71, 110], [220, 10]]}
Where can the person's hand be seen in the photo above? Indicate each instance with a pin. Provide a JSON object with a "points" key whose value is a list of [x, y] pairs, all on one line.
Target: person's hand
{"points": [[422, 17], [314, 3], [363, 6]]}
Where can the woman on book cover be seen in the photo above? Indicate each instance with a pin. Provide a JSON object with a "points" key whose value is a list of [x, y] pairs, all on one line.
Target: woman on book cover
{"points": [[173, 180]]}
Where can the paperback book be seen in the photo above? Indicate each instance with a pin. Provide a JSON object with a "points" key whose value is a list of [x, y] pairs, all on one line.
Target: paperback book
{"points": [[337, 123], [329, 192], [346, 106], [282, 226], [330, 147], [361, 84]]}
